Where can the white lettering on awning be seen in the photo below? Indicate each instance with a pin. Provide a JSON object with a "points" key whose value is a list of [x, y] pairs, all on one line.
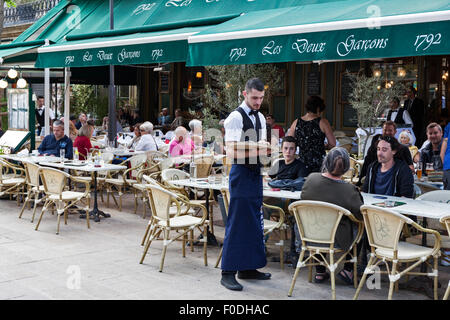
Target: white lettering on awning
{"points": [[350, 44]]}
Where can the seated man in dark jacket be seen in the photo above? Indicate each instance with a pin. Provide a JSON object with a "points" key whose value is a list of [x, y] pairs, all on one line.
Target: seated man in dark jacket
{"points": [[53, 143], [403, 153], [389, 176], [289, 167]]}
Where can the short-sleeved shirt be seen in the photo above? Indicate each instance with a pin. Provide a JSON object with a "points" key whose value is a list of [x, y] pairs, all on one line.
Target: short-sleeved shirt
{"points": [[234, 123], [384, 182], [447, 151]]}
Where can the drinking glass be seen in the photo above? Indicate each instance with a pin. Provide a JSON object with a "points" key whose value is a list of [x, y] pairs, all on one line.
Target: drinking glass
{"points": [[419, 170], [76, 156], [224, 174], [62, 153], [429, 168]]}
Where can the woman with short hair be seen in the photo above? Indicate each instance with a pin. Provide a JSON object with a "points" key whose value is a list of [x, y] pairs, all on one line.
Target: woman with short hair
{"points": [[147, 142], [83, 141], [328, 186]]}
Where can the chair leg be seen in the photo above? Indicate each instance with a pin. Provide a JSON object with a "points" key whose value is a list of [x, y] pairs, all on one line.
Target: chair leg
{"points": [[391, 283], [65, 216], [192, 240], [42, 213], [363, 279], [146, 232], [153, 234], [36, 201], [59, 220], [297, 270], [27, 199], [135, 202], [355, 267], [447, 292], [163, 256], [87, 216], [332, 276], [282, 249], [219, 258]]}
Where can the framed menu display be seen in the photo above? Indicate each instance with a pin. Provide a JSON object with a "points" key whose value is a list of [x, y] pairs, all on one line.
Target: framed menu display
{"points": [[18, 109]]}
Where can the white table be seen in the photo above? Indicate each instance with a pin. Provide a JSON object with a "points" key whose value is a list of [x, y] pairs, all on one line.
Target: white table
{"points": [[30, 158], [187, 158], [88, 167], [123, 152]]}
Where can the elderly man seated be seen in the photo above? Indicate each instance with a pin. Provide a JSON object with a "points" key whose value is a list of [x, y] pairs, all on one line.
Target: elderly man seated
{"points": [[53, 143], [147, 142]]}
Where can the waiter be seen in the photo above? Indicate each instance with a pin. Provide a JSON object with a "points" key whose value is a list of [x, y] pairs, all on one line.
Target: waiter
{"points": [[243, 247], [399, 115]]}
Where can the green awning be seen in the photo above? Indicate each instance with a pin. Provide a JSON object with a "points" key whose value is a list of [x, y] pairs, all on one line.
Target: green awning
{"points": [[346, 30], [9, 53], [139, 48]]}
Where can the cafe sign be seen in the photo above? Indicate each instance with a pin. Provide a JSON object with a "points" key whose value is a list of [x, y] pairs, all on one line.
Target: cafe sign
{"points": [[385, 42]]}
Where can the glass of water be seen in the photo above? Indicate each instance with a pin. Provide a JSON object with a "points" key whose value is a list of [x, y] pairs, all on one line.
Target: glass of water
{"points": [[62, 153]]}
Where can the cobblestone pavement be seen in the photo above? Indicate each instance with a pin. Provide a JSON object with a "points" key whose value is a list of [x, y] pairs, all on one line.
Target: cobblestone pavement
{"points": [[103, 263]]}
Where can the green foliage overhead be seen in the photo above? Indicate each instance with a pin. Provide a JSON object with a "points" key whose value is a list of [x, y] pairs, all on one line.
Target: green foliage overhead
{"points": [[224, 93]]}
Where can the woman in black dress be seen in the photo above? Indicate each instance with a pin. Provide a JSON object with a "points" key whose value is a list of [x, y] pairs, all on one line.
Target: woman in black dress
{"points": [[310, 132]]}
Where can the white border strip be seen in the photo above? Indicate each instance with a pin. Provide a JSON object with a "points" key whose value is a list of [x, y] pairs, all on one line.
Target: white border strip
{"points": [[18, 53], [116, 43], [325, 26]]}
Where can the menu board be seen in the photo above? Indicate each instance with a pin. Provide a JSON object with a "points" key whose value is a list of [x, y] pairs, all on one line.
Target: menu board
{"points": [[18, 109], [313, 83], [164, 81]]}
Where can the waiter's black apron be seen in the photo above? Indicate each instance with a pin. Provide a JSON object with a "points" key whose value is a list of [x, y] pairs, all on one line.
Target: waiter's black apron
{"points": [[243, 247]]}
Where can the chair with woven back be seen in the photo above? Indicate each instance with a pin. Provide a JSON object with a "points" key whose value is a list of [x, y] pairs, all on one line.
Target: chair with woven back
{"points": [[12, 180], [161, 200], [269, 225], [35, 189], [317, 223], [121, 179], [383, 228], [55, 185], [438, 196], [107, 158], [147, 181], [446, 222]]}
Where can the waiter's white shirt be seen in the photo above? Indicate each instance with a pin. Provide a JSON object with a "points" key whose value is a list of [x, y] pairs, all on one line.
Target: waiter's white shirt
{"points": [[50, 112], [234, 123], [406, 116]]}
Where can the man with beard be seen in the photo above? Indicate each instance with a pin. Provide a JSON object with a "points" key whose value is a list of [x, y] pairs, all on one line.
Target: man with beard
{"points": [[389, 176]]}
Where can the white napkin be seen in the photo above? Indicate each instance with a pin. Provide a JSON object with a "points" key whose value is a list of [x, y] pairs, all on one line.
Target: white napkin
{"points": [[24, 152]]}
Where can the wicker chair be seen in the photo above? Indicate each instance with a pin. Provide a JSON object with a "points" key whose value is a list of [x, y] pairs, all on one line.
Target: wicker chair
{"points": [[383, 228], [139, 187], [317, 223], [107, 157], [12, 179], [269, 225], [119, 180], [161, 200], [352, 175], [446, 221], [54, 182], [34, 187]]}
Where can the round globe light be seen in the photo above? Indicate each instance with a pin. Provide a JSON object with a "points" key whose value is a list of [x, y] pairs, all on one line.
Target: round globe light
{"points": [[12, 73], [3, 84], [21, 83]]}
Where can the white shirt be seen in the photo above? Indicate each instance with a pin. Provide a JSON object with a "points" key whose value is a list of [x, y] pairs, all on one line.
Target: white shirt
{"points": [[50, 112], [406, 116], [146, 143], [234, 123]]}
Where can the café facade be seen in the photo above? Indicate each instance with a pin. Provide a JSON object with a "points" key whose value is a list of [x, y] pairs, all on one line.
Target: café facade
{"points": [[164, 46]]}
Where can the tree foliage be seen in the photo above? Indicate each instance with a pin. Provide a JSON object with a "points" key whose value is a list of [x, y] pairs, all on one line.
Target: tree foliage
{"points": [[370, 97], [224, 92]]}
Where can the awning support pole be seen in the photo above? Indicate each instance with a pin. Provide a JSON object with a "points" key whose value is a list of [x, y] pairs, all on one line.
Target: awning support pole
{"points": [[112, 125], [47, 100], [66, 101]]}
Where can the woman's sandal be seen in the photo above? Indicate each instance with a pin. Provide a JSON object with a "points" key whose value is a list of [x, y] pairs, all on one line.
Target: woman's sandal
{"points": [[345, 277], [321, 277]]}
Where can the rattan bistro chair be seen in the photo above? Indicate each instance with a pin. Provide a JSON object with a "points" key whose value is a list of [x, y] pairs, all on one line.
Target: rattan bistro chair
{"points": [[55, 182], [269, 225], [383, 228], [34, 187], [12, 179], [122, 179], [161, 200], [317, 223], [446, 221]]}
